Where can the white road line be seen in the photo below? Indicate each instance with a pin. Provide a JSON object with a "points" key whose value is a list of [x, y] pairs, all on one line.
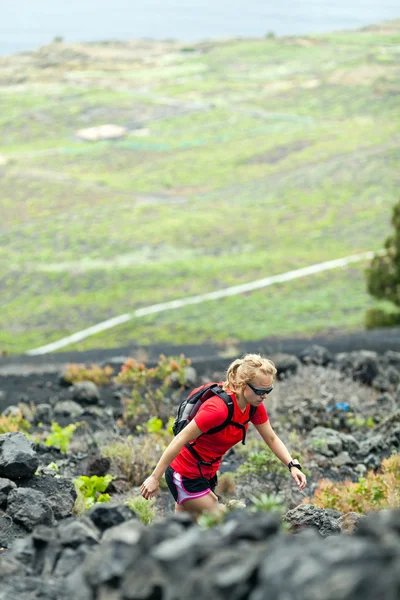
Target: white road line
{"points": [[230, 291]]}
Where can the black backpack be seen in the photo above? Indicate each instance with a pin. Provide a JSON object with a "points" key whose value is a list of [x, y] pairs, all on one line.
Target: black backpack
{"points": [[188, 408]]}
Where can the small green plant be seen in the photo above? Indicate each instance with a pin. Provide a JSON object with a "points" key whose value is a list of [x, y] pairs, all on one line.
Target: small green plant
{"points": [[13, 423], [360, 422], [260, 462], [60, 437], [143, 508], [53, 466], [215, 517], [90, 490], [98, 375], [136, 456], [318, 443], [122, 453], [207, 520], [268, 503], [154, 425]]}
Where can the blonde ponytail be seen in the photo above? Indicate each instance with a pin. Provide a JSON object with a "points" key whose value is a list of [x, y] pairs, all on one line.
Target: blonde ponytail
{"points": [[244, 370]]}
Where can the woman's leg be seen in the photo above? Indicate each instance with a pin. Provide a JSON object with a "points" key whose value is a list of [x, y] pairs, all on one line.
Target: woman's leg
{"points": [[207, 503], [192, 496]]}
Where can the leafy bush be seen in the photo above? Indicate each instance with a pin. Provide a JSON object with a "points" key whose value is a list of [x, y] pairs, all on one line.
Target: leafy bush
{"points": [[90, 490], [135, 373], [268, 503], [144, 509], [136, 457], [383, 275], [150, 387], [98, 375], [13, 423], [360, 422], [262, 461], [60, 437], [375, 491], [379, 318]]}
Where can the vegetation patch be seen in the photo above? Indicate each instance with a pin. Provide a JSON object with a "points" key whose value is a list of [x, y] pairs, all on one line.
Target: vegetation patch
{"points": [[375, 491], [249, 159]]}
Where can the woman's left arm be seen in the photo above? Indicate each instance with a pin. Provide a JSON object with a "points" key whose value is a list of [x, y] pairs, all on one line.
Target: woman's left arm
{"points": [[279, 449]]}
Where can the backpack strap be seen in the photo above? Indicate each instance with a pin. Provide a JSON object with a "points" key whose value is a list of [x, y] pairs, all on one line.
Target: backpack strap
{"points": [[242, 425], [200, 461], [218, 391]]}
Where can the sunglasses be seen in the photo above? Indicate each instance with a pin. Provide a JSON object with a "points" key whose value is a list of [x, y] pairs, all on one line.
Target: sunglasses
{"points": [[261, 391]]}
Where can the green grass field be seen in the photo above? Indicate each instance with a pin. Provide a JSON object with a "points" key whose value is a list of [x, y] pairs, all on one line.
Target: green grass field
{"points": [[243, 159]]}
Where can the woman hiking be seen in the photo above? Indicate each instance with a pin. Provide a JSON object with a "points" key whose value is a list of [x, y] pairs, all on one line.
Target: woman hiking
{"points": [[193, 457]]}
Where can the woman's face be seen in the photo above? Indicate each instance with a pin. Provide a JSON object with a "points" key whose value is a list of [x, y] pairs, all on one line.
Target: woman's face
{"points": [[261, 381]]}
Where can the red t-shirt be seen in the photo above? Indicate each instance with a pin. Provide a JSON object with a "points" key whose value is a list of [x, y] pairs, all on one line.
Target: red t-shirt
{"points": [[212, 413]]}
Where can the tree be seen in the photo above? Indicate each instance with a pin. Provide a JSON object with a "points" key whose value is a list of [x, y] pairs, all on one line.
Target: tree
{"points": [[383, 278]]}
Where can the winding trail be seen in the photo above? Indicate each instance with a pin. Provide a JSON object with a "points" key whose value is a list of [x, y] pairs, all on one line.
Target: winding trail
{"points": [[198, 299]]}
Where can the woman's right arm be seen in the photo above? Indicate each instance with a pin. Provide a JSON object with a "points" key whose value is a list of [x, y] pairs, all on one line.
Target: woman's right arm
{"points": [[151, 485]]}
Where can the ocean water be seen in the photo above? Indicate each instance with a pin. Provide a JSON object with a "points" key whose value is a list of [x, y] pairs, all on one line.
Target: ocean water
{"points": [[28, 24]]}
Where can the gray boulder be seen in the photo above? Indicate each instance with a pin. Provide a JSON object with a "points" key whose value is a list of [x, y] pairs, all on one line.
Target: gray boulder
{"points": [[74, 532], [105, 516], [316, 355], [398, 396], [18, 458], [361, 365], [29, 508], [331, 442], [59, 491], [85, 393], [392, 359], [326, 441], [44, 413], [385, 403], [286, 365], [9, 531], [383, 440], [307, 515], [68, 408], [6, 485]]}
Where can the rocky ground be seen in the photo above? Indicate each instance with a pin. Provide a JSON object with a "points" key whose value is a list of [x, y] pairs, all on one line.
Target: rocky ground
{"points": [[337, 411]]}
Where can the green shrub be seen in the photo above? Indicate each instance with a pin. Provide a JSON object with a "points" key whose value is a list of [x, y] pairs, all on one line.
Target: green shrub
{"points": [[90, 490], [135, 457], [375, 491], [360, 422], [268, 503], [60, 437], [260, 462], [150, 387], [375, 318], [143, 508], [13, 423], [383, 276]]}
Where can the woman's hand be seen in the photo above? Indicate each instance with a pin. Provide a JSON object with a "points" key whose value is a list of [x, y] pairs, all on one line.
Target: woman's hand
{"points": [[299, 477], [150, 487]]}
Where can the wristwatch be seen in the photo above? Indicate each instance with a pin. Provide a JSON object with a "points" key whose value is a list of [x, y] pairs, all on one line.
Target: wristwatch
{"points": [[294, 463]]}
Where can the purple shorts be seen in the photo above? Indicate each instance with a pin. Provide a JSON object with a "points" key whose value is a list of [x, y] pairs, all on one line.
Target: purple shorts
{"points": [[182, 488]]}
